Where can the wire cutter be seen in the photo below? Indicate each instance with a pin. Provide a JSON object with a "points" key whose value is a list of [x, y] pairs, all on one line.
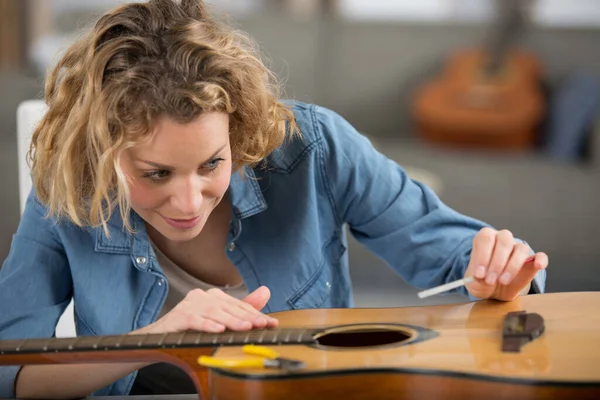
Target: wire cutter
{"points": [[268, 359]]}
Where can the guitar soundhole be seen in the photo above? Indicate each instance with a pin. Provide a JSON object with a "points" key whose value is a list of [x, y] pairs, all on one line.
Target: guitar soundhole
{"points": [[357, 337]]}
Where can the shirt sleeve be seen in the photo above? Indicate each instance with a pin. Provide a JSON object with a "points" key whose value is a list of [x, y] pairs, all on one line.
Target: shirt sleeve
{"points": [[35, 285], [399, 219]]}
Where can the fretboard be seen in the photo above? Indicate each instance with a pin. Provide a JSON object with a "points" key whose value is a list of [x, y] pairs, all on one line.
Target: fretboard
{"points": [[157, 341]]}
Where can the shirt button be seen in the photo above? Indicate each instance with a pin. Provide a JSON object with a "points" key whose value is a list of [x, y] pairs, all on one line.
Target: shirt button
{"points": [[160, 282], [328, 285], [231, 246], [140, 260]]}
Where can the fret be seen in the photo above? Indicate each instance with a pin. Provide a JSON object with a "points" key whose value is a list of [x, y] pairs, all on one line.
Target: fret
{"points": [[20, 345], [231, 337], [119, 341], [198, 338], [260, 339], [86, 343], [18, 348], [99, 344], [162, 338], [301, 335], [108, 342], [71, 345], [145, 339], [287, 337], [132, 341], [247, 338], [8, 346], [48, 343], [274, 340], [180, 341], [113, 342], [152, 340], [174, 339], [34, 344], [59, 344]]}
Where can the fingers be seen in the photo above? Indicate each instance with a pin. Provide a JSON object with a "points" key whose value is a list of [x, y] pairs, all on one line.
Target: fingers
{"points": [[503, 267], [523, 278], [249, 307], [250, 311], [528, 270], [224, 316], [215, 311], [503, 248], [540, 261], [483, 247], [201, 324], [258, 299], [520, 254], [222, 306]]}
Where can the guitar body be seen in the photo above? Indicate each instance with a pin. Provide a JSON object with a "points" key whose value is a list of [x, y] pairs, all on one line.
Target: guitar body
{"points": [[465, 107], [452, 351], [448, 352]]}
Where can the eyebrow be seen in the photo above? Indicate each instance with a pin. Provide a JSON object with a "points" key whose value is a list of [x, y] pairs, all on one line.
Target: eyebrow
{"points": [[168, 167]]}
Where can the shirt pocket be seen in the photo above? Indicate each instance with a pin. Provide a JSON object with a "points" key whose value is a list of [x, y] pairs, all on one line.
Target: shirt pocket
{"points": [[316, 292]]}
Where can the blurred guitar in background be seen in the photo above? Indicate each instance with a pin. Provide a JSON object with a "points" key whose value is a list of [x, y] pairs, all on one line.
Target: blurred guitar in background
{"points": [[486, 97]]}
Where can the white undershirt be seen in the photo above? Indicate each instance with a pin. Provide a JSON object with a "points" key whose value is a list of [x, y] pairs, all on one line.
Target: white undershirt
{"points": [[180, 283]]}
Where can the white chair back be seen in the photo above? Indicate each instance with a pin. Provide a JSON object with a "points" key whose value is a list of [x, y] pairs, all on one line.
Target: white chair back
{"points": [[29, 113]]}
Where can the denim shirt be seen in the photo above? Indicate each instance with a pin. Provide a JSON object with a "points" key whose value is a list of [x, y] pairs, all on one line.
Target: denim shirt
{"points": [[287, 232]]}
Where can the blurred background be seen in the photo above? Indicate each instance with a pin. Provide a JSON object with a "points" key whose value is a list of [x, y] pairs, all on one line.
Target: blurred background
{"points": [[493, 104]]}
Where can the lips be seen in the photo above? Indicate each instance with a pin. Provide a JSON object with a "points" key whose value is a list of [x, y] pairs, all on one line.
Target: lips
{"points": [[183, 224]]}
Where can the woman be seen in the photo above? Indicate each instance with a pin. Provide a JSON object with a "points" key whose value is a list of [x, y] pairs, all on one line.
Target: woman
{"points": [[174, 191]]}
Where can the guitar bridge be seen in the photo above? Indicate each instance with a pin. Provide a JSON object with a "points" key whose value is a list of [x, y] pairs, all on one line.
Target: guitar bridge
{"points": [[520, 328]]}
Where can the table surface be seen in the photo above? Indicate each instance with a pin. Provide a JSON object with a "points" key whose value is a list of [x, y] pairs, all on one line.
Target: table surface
{"points": [[155, 397]]}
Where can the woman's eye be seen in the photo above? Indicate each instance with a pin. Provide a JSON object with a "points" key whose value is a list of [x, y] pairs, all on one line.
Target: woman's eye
{"points": [[213, 164], [156, 175]]}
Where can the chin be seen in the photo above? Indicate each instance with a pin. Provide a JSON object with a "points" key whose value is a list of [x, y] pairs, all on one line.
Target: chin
{"points": [[177, 235]]}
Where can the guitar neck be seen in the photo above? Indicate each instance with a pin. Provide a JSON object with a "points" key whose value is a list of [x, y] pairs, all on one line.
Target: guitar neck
{"points": [[155, 341], [510, 23]]}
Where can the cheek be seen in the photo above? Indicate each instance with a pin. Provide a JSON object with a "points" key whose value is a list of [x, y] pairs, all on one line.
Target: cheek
{"points": [[144, 196], [220, 183]]}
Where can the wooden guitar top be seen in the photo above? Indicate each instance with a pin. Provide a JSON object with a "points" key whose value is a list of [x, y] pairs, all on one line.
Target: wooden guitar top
{"points": [[458, 338]]}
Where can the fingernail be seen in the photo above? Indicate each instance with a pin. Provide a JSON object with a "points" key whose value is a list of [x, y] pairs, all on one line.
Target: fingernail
{"points": [[491, 278], [505, 278], [480, 272]]}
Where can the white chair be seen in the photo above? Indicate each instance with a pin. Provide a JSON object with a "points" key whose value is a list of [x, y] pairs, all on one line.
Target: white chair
{"points": [[29, 113]]}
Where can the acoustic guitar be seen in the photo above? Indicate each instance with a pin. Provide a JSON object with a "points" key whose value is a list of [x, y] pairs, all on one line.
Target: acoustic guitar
{"points": [[543, 346], [487, 98]]}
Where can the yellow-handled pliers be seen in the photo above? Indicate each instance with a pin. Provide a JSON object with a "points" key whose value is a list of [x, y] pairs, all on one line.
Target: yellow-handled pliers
{"points": [[268, 359]]}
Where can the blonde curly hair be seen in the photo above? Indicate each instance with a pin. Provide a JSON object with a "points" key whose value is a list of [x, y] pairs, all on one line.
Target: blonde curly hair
{"points": [[140, 62]]}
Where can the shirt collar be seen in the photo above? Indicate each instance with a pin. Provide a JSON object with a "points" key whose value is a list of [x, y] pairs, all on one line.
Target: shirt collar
{"points": [[245, 194]]}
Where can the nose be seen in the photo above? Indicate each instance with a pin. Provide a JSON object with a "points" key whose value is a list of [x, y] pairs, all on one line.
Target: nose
{"points": [[187, 198]]}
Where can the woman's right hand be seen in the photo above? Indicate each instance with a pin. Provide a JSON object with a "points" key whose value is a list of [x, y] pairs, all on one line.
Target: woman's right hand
{"points": [[214, 311]]}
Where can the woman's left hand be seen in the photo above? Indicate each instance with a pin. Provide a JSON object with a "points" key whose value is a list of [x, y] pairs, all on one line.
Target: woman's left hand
{"points": [[499, 266]]}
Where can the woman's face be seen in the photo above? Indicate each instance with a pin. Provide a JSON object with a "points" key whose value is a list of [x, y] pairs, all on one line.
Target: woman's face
{"points": [[178, 177]]}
